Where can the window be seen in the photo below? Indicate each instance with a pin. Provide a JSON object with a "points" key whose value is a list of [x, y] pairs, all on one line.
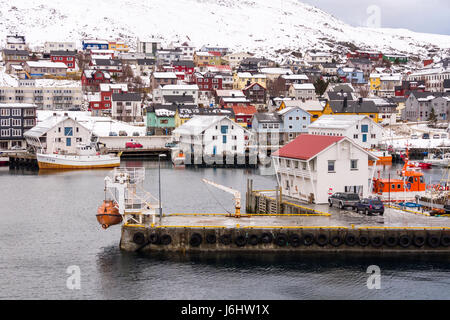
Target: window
{"points": [[16, 112], [16, 122], [353, 164], [331, 164], [5, 123], [355, 136], [5, 112], [68, 131]]}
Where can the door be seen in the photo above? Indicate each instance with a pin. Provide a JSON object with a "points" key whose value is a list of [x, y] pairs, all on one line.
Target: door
{"points": [[364, 138], [68, 142], [224, 139]]}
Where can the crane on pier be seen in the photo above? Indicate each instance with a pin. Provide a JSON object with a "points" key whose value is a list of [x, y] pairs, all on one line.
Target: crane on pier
{"points": [[235, 193]]}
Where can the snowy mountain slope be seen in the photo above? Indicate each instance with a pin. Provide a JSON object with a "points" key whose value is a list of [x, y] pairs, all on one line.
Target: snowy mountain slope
{"points": [[262, 26]]}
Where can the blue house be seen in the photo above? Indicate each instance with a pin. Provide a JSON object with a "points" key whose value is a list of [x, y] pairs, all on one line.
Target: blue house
{"points": [[295, 121], [95, 45], [351, 75]]}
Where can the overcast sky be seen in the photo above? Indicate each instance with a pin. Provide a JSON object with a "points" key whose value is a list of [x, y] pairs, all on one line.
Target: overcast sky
{"points": [[431, 16]]}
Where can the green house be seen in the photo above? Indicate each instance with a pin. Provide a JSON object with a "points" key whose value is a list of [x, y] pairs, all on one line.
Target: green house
{"points": [[395, 58], [161, 119]]}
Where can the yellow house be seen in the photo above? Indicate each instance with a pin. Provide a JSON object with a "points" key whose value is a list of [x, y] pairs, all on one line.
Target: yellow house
{"points": [[375, 82], [242, 79], [207, 59], [315, 108], [118, 46], [353, 107]]}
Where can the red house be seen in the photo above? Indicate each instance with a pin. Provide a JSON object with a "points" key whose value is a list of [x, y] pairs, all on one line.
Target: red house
{"points": [[102, 100], [243, 115], [91, 79], [67, 57], [185, 66], [207, 81], [372, 55], [256, 93]]}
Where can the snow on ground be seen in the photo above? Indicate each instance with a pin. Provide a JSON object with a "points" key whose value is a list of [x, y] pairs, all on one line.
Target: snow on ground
{"points": [[261, 26]]}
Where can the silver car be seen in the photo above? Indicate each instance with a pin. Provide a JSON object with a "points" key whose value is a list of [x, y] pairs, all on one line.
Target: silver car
{"points": [[344, 199]]}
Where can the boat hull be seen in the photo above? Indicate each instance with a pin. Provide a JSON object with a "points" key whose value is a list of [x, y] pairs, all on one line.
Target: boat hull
{"points": [[76, 162]]}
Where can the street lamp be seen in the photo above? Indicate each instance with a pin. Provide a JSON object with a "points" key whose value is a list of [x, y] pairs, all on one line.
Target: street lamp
{"points": [[161, 155]]}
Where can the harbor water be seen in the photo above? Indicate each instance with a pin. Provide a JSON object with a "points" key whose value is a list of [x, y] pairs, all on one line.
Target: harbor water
{"points": [[48, 224]]}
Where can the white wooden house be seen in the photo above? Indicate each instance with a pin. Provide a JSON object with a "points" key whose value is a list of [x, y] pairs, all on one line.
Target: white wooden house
{"points": [[311, 167]]}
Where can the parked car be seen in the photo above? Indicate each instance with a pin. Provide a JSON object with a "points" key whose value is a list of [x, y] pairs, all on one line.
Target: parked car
{"points": [[370, 206], [426, 136], [344, 199], [136, 134], [171, 144], [436, 136], [414, 137], [123, 133], [133, 145], [113, 134]]}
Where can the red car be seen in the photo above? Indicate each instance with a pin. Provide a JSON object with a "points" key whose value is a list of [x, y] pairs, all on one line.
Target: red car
{"points": [[133, 145]]}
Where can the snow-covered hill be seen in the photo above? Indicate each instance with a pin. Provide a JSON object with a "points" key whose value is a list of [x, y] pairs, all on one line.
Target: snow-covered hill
{"points": [[262, 26]]}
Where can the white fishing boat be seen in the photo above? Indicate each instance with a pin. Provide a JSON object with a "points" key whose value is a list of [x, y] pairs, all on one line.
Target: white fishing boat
{"points": [[86, 157]]}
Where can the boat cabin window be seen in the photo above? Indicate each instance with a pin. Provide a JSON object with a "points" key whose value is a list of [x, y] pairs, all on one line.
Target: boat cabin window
{"points": [[393, 186], [422, 180], [399, 186]]}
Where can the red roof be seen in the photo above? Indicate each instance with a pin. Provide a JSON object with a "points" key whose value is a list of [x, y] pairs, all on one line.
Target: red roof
{"points": [[244, 110], [306, 146]]}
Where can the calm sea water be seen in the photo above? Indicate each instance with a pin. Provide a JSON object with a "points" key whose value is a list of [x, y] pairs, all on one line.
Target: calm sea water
{"points": [[47, 223]]}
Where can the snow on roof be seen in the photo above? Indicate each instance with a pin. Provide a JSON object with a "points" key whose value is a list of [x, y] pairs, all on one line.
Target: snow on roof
{"points": [[276, 71], [320, 54], [180, 87], [249, 75], [110, 86], [235, 99], [162, 112], [46, 64], [295, 77], [303, 86], [336, 121], [198, 124], [17, 105], [100, 57], [93, 41], [229, 93], [308, 105], [164, 75]]}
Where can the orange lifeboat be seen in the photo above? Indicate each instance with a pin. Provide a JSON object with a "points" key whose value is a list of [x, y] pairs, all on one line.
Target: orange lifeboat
{"points": [[108, 215]]}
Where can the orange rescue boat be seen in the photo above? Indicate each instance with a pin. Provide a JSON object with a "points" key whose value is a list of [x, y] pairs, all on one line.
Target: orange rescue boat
{"points": [[108, 214]]}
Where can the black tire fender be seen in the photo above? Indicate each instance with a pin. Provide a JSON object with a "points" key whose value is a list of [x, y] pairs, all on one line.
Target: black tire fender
{"points": [[405, 241], [294, 240], [281, 240], [211, 238], [376, 241], [419, 241], [225, 239], [350, 240], [266, 238], [139, 238], [391, 241], [196, 240], [166, 239], [322, 239], [336, 240], [253, 239], [308, 239], [363, 240], [445, 240], [240, 240], [433, 241]]}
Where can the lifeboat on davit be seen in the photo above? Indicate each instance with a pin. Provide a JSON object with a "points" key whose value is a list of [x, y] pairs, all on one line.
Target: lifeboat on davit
{"points": [[108, 214]]}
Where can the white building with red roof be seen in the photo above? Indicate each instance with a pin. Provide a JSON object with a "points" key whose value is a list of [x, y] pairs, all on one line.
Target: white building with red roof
{"points": [[312, 166]]}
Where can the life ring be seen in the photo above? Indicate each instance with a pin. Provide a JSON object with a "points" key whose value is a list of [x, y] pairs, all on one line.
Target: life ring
{"points": [[211, 238], [294, 240], [445, 240], [253, 239], [225, 239], [322, 239], [153, 238], [281, 240], [391, 241], [308, 239], [376, 241], [139, 238], [404, 241], [419, 241], [266, 238], [363, 240], [196, 240], [350, 240], [433, 241], [336, 241], [240, 240], [166, 239]]}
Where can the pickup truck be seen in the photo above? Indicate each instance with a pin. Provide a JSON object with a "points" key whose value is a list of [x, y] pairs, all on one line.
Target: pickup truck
{"points": [[344, 199]]}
